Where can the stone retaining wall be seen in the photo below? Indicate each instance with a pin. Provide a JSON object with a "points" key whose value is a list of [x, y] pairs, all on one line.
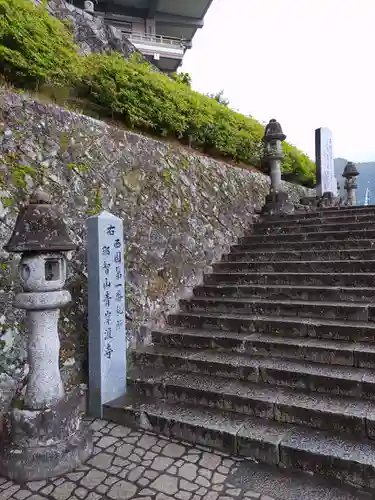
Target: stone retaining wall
{"points": [[181, 211]]}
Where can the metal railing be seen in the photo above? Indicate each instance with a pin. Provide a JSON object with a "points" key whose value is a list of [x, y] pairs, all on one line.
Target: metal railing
{"points": [[156, 39]]}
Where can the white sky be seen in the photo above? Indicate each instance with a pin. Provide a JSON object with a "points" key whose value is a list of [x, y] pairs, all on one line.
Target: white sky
{"points": [[307, 63]]}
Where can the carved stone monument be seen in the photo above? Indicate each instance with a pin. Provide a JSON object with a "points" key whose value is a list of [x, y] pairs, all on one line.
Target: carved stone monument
{"points": [[326, 182], [106, 291], [46, 436]]}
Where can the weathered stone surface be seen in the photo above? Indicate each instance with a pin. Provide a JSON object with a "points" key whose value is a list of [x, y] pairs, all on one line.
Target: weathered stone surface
{"points": [[36, 485], [210, 461], [93, 478], [119, 432], [101, 461], [81, 492], [174, 450], [218, 478], [188, 471], [161, 463], [4, 495], [90, 32], [23, 464], [135, 474], [147, 442], [106, 441], [122, 491], [187, 485], [183, 495], [181, 211], [59, 422], [63, 491], [165, 484], [22, 494], [124, 450]]}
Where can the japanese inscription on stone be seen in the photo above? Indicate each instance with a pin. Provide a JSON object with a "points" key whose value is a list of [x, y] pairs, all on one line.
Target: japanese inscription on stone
{"points": [[325, 170], [106, 294]]}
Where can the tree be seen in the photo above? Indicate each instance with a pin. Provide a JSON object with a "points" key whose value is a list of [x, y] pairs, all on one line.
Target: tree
{"points": [[182, 77], [220, 98]]}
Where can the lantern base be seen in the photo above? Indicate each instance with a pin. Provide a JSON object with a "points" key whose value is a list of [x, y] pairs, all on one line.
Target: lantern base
{"points": [[327, 200], [310, 201], [46, 443], [277, 203]]}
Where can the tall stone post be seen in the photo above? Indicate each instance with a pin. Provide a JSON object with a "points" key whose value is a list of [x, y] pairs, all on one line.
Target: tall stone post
{"points": [[277, 200], [326, 183], [46, 435], [350, 173], [106, 304]]}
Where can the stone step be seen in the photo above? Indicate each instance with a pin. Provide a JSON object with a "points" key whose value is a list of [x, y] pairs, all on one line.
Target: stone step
{"points": [[305, 255], [321, 213], [300, 246], [283, 445], [317, 411], [342, 353], [290, 278], [295, 237], [288, 292], [272, 325], [356, 208], [312, 236], [302, 375], [319, 219], [300, 266], [291, 484], [351, 311], [259, 229]]}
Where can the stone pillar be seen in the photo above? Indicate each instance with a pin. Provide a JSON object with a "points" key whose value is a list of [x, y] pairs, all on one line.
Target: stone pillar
{"points": [[106, 306], [326, 184], [46, 436], [42, 305], [277, 200], [350, 173]]}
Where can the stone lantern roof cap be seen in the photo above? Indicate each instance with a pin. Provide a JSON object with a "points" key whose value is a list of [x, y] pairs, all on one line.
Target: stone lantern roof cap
{"points": [[39, 228], [40, 197], [273, 131], [350, 170]]}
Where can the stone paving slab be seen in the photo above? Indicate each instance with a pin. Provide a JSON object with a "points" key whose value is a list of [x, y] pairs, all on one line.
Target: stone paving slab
{"points": [[132, 465]]}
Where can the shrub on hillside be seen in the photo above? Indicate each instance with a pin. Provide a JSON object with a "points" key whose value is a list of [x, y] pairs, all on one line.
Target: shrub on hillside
{"points": [[297, 166], [168, 107], [182, 78], [220, 98], [34, 47]]}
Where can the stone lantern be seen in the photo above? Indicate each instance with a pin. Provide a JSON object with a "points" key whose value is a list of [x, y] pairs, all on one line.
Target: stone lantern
{"points": [[276, 200], [88, 6], [46, 435], [350, 173]]}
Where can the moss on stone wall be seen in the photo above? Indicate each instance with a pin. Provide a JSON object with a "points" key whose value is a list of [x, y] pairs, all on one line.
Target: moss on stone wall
{"points": [[181, 211]]}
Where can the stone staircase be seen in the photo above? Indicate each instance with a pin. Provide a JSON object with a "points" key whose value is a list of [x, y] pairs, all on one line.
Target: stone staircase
{"points": [[273, 358]]}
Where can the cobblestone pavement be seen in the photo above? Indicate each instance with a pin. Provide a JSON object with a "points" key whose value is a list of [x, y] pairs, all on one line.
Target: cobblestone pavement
{"points": [[129, 465]]}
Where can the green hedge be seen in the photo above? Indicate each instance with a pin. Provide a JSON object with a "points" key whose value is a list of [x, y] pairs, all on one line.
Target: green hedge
{"points": [[154, 102], [36, 48]]}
